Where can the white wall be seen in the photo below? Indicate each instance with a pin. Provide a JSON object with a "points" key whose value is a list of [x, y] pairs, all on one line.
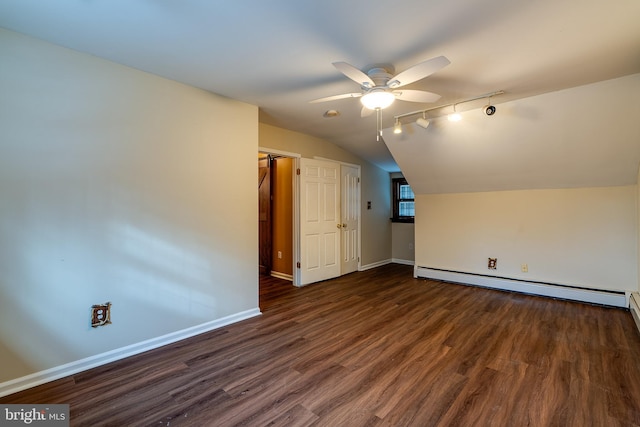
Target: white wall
{"points": [[585, 237], [115, 186]]}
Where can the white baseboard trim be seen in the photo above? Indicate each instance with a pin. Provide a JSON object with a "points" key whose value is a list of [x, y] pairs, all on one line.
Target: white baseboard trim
{"points": [[374, 265], [52, 374], [283, 276], [603, 297], [634, 306], [403, 261]]}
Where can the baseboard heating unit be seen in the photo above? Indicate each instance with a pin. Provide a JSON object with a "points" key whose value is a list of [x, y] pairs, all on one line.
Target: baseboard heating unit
{"points": [[593, 296], [634, 306]]}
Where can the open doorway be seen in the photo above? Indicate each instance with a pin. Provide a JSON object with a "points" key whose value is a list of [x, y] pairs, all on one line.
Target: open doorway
{"points": [[276, 224], [265, 226]]}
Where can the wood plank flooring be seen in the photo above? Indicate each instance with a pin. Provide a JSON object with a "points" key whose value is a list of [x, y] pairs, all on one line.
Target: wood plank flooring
{"points": [[377, 348]]}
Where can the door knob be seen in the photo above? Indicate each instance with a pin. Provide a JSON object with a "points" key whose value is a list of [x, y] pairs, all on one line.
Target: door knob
{"points": [[339, 225], [344, 225]]}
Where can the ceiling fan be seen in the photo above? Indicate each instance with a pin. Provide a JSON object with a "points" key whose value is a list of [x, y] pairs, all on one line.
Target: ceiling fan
{"points": [[379, 88]]}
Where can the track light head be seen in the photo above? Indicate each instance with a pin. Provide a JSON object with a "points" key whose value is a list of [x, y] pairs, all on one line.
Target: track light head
{"points": [[397, 128], [423, 123], [489, 110], [455, 116]]}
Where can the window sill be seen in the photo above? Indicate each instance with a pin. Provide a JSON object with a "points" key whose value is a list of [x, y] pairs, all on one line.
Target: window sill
{"points": [[409, 220]]}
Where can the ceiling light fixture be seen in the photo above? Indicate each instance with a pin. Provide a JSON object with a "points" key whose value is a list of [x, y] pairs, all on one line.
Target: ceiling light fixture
{"points": [[377, 99], [422, 121], [398, 127]]}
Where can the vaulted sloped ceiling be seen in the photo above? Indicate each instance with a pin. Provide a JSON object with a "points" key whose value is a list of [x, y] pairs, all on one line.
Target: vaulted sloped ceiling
{"points": [[277, 54], [588, 136]]}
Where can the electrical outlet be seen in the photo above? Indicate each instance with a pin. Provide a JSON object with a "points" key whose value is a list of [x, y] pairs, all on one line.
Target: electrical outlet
{"points": [[492, 263], [524, 268], [279, 254], [100, 314]]}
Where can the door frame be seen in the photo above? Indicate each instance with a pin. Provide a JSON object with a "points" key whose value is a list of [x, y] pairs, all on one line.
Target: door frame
{"points": [[295, 208]]}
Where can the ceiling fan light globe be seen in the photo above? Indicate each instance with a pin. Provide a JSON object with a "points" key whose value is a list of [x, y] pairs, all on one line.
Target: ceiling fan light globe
{"points": [[377, 100]]}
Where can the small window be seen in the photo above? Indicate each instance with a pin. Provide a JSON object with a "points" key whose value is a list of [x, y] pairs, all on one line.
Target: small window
{"points": [[403, 201]]}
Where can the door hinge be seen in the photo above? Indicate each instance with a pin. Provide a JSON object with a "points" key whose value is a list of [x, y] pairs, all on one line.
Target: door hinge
{"points": [[298, 171], [358, 180], [297, 264], [358, 259]]}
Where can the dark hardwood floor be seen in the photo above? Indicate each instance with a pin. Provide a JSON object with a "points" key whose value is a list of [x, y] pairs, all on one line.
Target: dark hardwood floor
{"points": [[377, 348]]}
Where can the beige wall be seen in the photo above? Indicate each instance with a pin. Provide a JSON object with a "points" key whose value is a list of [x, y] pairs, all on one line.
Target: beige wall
{"points": [[585, 237], [403, 242], [375, 224], [113, 187]]}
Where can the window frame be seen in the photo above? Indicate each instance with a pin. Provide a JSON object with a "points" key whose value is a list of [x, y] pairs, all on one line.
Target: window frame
{"points": [[396, 183]]}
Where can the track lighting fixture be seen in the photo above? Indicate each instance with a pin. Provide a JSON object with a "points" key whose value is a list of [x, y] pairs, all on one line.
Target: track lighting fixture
{"points": [[397, 128], [422, 121]]}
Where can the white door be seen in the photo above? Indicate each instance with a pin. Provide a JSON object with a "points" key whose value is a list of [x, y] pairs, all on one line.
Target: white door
{"points": [[350, 209], [319, 220]]}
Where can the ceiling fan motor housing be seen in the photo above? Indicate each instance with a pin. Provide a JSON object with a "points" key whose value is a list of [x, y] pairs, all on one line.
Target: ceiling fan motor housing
{"points": [[380, 76]]}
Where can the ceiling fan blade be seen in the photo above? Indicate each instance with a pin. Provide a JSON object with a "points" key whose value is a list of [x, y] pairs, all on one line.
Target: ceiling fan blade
{"points": [[416, 96], [334, 97], [365, 112], [354, 74], [418, 72]]}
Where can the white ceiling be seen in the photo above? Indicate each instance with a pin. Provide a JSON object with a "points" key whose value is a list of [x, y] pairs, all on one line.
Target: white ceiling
{"points": [[277, 54]]}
